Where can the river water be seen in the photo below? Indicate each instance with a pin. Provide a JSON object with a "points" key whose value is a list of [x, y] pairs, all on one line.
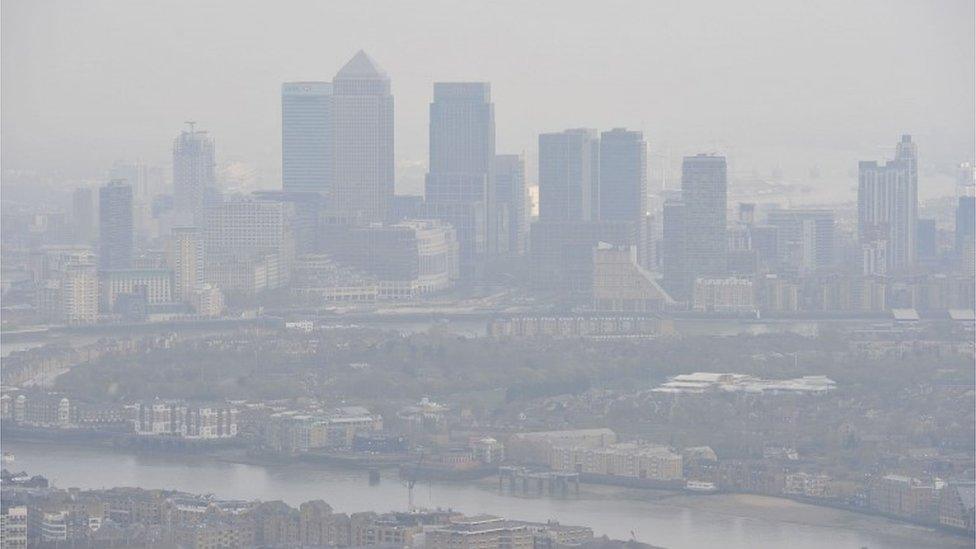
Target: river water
{"points": [[617, 514]]}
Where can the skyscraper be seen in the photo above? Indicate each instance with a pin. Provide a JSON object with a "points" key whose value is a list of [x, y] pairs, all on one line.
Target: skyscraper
{"points": [[623, 175], [459, 187], [965, 221], [512, 201], [83, 214], [137, 175], [887, 206], [194, 174], [569, 175], [805, 239], [363, 133], [965, 245], [306, 137], [704, 194], [115, 226], [674, 262]]}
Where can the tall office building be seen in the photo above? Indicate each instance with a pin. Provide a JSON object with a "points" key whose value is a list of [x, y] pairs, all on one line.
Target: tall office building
{"points": [[927, 241], [137, 175], [674, 262], [194, 175], [965, 245], [887, 206], [363, 134], [184, 256], [965, 221], [512, 200], [83, 214], [623, 175], [805, 239], [704, 194], [459, 187], [306, 137], [569, 175], [115, 226]]}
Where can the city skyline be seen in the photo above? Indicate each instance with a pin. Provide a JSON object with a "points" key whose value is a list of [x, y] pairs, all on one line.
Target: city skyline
{"points": [[669, 124]]}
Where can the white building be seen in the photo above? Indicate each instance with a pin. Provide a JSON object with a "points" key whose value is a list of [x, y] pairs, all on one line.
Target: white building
{"points": [[711, 382], [724, 295], [79, 294], [153, 284], [633, 460]]}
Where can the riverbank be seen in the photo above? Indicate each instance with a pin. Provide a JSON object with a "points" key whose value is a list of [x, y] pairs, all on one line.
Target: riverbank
{"points": [[608, 509]]}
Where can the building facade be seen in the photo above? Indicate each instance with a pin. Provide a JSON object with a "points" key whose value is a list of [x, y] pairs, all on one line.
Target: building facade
{"points": [[887, 206], [194, 175], [115, 236], [459, 187], [569, 175], [363, 133], [307, 147]]}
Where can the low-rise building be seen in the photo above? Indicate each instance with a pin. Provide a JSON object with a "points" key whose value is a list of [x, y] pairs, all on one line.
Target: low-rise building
{"points": [[481, 532], [13, 527], [535, 447], [632, 460]]}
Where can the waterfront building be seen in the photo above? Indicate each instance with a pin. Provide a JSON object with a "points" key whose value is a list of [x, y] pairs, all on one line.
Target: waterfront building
{"points": [[153, 286], [630, 460], [78, 288], [405, 260], [621, 285], [207, 301], [726, 294]]}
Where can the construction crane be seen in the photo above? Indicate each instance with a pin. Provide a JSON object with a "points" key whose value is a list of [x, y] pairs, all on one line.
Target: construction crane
{"points": [[411, 480]]}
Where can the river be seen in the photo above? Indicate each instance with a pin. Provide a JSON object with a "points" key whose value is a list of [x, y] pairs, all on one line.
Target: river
{"points": [[727, 521]]}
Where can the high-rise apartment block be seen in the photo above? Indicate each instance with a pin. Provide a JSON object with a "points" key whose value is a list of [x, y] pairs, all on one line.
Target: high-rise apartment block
{"points": [[887, 201], [194, 175], [184, 256]]}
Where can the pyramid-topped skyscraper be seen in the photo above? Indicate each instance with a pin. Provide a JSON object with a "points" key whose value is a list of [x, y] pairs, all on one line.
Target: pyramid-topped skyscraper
{"points": [[363, 139], [362, 66]]}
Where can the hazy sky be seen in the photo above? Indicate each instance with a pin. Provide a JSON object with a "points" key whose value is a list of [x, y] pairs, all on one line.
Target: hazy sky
{"points": [[786, 83]]}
